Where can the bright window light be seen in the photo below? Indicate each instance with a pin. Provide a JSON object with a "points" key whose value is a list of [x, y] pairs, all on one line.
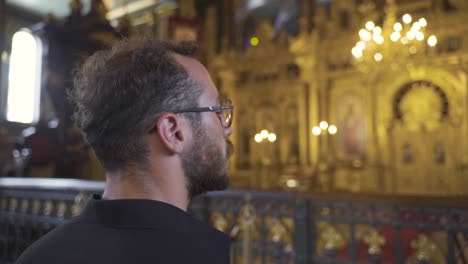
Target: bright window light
{"points": [[24, 79], [252, 4]]}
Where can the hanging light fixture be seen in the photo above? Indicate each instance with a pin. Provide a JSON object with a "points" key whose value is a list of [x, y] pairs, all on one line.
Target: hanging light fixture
{"points": [[394, 43]]}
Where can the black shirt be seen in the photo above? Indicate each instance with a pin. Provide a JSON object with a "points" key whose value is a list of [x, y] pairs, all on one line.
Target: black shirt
{"points": [[130, 231]]}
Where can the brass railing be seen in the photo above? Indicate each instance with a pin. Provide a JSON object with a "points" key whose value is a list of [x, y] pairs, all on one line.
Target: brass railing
{"points": [[269, 227]]}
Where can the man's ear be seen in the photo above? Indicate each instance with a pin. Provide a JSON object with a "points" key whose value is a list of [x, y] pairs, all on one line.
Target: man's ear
{"points": [[170, 131]]}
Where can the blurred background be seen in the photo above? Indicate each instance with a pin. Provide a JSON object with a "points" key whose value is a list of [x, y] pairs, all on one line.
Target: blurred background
{"points": [[367, 98], [358, 96]]}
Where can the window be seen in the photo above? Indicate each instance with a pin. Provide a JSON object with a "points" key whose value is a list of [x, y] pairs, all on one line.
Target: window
{"points": [[24, 78]]}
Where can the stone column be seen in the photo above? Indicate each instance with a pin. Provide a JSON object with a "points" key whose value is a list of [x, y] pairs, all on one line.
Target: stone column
{"points": [[374, 154], [324, 83], [306, 57], [326, 164], [313, 109]]}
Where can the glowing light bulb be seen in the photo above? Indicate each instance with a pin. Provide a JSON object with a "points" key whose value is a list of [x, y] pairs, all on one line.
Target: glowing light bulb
{"points": [[416, 26], [323, 125], [362, 33], [316, 130], [419, 36], [264, 133], [422, 22], [397, 27], [332, 129], [432, 41], [366, 36], [377, 31], [407, 18], [361, 45], [356, 52], [379, 39], [378, 56], [291, 183], [395, 36], [272, 137], [370, 25], [258, 138]]}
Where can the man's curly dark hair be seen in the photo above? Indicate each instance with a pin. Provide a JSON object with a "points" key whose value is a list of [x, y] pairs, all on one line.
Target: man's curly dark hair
{"points": [[119, 93]]}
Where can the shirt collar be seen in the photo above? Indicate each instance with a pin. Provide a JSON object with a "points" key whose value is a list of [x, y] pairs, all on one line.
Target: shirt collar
{"points": [[136, 213]]}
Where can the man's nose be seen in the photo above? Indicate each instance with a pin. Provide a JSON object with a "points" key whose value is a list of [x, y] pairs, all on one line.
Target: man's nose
{"points": [[227, 132]]}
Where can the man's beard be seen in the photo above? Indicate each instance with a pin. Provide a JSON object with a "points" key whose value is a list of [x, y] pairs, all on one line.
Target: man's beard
{"points": [[205, 164]]}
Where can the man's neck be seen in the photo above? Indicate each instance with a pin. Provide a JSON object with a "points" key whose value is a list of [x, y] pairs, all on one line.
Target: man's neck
{"points": [[148, 187]]}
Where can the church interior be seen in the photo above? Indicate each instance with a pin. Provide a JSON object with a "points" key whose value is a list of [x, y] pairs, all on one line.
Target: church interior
{"points": [[350, 123]]}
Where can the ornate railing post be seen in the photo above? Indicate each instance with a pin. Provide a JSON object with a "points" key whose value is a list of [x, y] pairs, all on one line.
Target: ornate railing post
{"points": [[451, 237], [247, 227], [398, 239], [302, 233]]}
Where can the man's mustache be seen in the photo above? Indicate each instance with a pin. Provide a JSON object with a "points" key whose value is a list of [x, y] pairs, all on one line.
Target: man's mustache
{"points": [[229, 148]]}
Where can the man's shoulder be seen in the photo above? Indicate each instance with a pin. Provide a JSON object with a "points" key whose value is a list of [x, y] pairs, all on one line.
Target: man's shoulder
{"points": [[46, 248], [80, 238], [211, 234]]}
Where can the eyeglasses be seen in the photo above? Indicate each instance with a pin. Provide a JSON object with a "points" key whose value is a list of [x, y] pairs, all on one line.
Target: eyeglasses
{"points": [[224, 112]]}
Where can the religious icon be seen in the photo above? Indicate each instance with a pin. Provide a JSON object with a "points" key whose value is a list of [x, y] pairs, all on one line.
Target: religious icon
{"points": [[351, 127]]}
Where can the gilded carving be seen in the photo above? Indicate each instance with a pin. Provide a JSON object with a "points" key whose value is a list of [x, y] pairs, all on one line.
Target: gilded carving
{"points": [[331, 238], [426, 251], [375, 241], [423, 106], [248, 229], [388, 139]]}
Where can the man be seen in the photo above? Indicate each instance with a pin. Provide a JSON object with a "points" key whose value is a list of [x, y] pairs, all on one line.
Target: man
{"points": [[154, 118]]}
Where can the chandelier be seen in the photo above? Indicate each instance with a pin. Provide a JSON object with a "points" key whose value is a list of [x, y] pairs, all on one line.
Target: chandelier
{"points": [[393, 44]]}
